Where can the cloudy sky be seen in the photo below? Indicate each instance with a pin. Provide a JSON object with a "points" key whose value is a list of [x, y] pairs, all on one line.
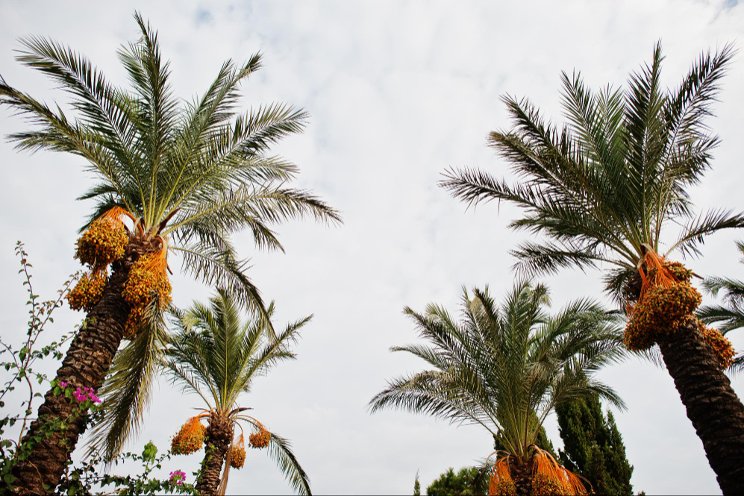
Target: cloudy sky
{"points": [[398, 91]]}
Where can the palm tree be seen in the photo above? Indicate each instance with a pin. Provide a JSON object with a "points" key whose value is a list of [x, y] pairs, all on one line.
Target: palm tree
{"points": [[216, 356], [174, 178], [730, 315], [506, 369], [604, 189]]}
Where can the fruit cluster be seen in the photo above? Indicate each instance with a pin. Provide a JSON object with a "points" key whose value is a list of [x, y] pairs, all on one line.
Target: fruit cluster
{"points": [[103, 242], [666, 304], [237, 453], [260, 439], [549, 478], [502, 488], [88, 291], [501, 483], [546, 486], [678, 271], [190, 437], [721, 346], [147, 282], [663, 311]]}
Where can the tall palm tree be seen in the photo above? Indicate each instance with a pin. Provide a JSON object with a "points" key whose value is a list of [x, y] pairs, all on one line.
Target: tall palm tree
{"points": [[605, 189], [175, 178], [216, 356], [730, 315], [506, 368]]}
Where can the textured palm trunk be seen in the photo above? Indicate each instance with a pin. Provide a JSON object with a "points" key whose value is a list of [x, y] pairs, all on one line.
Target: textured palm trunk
{"points": [[522, 476], [217, 442], [45, 454], [716, 412]]}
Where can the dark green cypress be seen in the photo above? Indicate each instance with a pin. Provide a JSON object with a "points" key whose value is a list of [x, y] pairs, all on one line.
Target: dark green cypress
{"points": [[593, 447]]}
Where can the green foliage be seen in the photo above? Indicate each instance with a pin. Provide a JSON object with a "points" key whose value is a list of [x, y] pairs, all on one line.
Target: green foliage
{"points": [[611, 179], [469, 481], [506, 367], [417, 486], [89, 476], [20, 364], [217, 356], [593, 446], [729, 315]]}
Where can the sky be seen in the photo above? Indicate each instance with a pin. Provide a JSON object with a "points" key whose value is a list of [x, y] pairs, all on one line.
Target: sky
{"points": [[397, 92]]}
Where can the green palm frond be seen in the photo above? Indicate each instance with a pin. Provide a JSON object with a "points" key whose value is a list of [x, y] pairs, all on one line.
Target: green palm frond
{"points": [[280, 450], [613, 177], [730, 315], [506, 367], [219, 267]]}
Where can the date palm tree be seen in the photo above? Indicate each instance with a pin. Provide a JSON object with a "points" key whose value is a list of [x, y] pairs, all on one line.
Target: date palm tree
{"points": [[217, 357], [605, 189], [730, 315], [187, 175], [506, 368]]}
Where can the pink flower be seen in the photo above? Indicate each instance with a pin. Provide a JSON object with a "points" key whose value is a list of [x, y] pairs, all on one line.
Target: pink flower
{"points": [[178, 477], [63, 384], [79, 395], [92, 395], [86, 394]]}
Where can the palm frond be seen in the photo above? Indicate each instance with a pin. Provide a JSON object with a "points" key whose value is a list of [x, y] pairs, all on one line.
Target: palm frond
{"points": [[219, 268], [280, 450], [694, 233]]}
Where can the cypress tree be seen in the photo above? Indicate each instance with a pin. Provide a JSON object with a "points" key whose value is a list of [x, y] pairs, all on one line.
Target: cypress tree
{"points": [[593, 446]]}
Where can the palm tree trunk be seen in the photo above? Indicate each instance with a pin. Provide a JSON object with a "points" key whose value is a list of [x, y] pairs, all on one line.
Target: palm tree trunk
{"points": [[712, 405], [217, 442], [521, 473], [45, 449]]}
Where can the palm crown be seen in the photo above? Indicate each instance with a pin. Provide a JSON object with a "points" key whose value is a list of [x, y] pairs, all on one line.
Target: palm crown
{"points": [[506, 367], [216, 356], [607, 183], [191, 173]]}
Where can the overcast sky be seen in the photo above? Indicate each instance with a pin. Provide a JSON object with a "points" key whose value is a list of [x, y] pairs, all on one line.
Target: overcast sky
{"points": [[397, 92]]}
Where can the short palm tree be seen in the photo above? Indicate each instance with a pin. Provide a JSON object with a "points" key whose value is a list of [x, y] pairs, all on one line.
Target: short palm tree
{"points": [[217, 357], [605, 189], [730, 315], [506, 368], [174, 178]]}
